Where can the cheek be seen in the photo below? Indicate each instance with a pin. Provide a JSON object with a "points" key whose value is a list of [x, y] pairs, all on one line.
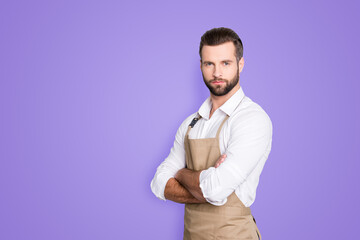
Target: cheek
{"points": [[231, 72], [207, 73]]}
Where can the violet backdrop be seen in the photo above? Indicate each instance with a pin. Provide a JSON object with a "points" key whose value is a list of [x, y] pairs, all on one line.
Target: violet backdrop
{"points": [[92, 93]]}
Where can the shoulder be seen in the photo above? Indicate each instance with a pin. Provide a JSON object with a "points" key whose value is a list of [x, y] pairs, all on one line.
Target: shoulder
{"points": [[184, 125], [249, 113]]}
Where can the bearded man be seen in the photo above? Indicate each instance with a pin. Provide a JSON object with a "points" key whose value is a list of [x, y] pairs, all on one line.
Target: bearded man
{"points": [[220, 151]]}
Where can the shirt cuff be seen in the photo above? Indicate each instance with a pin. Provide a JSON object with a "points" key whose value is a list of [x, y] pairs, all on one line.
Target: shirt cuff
{"points": [[158, 185], [206, 192]]}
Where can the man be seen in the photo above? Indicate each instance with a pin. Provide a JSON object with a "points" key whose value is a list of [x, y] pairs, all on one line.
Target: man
{"points": [[219, 152]]}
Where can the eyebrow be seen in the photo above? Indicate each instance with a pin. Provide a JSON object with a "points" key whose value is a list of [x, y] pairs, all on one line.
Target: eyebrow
{"points": [[226, 60]]}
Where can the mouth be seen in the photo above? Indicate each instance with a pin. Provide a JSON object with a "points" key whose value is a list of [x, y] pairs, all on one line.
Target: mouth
{"points": [[217, 82]]}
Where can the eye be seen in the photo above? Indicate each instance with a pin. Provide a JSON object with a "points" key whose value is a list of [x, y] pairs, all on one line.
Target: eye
{"points": [[208, 64], [226, 63]]}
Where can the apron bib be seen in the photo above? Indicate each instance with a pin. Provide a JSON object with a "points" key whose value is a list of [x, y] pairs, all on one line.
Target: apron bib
{"points": [[204, 221]]}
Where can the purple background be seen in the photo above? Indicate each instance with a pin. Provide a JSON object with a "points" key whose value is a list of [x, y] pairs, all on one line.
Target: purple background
{"points": [[92, 93]]}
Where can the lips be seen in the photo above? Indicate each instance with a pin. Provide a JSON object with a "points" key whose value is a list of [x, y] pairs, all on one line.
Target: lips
{"points": [[217, 82]]}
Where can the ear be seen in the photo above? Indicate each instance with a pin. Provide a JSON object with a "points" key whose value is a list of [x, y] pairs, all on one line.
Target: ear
{"points": [[200, 64], [241, 64]]}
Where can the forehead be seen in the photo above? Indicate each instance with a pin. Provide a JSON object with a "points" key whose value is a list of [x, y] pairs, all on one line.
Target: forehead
{"points": [[223, 51]]}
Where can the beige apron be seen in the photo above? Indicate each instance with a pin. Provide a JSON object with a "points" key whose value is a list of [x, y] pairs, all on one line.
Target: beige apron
{"points": [[206, 221]]}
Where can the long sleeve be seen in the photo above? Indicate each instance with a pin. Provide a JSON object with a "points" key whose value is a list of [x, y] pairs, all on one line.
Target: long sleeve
{"points": [[173, 163], [249, 142]]}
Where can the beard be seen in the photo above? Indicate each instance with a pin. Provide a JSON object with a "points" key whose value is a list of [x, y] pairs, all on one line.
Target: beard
{"points": [[221, 90]]}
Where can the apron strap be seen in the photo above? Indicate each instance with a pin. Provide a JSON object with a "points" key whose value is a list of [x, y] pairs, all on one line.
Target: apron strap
{"points": [[192, 124], [219, 130]]}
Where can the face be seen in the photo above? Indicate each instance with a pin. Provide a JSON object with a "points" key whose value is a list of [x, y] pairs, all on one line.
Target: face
{"points": [[219, 68]]}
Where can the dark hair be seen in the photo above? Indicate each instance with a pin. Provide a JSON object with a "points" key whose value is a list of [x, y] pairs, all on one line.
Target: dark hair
{"points": [[217, 36]]}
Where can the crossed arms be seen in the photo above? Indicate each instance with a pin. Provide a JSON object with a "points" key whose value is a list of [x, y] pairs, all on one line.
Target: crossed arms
{"points": [[185, 186]]}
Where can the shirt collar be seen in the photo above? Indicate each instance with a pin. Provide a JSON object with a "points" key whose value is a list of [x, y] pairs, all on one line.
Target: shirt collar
{"points": [[228, 107]]}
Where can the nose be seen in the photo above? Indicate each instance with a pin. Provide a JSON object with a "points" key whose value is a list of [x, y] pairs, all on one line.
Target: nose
{"points": [[217, 72]]}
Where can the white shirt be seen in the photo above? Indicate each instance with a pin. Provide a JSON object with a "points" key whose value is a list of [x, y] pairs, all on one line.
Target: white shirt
{"points": [[246, 140]]}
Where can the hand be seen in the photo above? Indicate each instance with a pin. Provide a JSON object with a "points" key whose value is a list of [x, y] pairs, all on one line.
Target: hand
{"points": [[220, 160]]}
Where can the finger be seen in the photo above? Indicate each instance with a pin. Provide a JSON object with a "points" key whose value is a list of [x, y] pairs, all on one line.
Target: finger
{"points": [[218, 163]]}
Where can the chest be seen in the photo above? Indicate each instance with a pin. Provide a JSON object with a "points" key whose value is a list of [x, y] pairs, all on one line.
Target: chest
{"points": [[208, 128]]}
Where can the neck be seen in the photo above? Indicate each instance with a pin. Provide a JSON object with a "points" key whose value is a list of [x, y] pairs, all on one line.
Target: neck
{"points": [[218, 101]]}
